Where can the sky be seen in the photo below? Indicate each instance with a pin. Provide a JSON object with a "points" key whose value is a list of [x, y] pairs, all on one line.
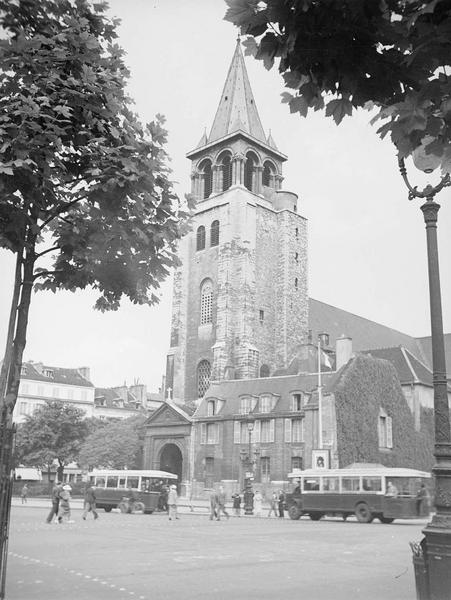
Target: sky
{"points": [[367, 245]]}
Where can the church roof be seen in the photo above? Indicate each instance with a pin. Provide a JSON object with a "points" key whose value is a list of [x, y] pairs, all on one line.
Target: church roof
{"points": [[408, 367], [237, 110]]}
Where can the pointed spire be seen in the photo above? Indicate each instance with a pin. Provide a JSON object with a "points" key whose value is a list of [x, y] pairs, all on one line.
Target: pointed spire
{"points": [[237, 109], [270, 141], [203, 140]]}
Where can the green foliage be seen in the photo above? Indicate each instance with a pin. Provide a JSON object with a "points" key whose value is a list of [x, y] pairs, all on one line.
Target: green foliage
{"points": [[82, 181], [54, 431], [367, 385], [345, 54], [116, 446]]}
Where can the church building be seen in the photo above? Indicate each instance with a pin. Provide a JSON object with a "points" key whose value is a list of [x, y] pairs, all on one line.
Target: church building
{"points": [[247, 385]]}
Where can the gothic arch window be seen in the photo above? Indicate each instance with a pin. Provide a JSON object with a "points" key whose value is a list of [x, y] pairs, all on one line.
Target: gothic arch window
{"points": [[226, 165], [200, 238], [249, 170], [203, 377], [214, 233], [206, 302], [264, 371], [205, 169], [268, 174]]}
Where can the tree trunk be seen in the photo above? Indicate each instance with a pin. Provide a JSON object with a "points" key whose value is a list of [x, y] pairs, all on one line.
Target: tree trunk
{"points": [[60, 471]]}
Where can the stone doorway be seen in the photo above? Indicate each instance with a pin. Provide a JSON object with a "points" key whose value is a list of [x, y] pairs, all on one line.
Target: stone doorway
{"points": [[171, 460]]}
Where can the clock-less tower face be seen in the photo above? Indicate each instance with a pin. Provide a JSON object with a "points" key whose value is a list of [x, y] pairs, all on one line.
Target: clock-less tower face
{"points": [[240, 295]]}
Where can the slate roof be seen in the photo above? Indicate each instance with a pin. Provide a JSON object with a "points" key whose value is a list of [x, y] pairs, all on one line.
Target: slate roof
{"points": [[35, 372], [231, 391], [425, 347], [408, 367]]}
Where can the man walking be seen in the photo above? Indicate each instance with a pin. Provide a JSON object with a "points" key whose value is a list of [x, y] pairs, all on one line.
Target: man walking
{"points": [[90, 502], [172, 502], [221, 504], [213, 505], [57, 489]]}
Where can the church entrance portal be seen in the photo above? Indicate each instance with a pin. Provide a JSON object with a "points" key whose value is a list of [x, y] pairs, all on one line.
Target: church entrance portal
{"points": [[171, 460]]}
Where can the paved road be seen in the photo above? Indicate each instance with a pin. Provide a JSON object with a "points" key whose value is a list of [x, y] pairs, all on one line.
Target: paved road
{"points": [[148, 557]]}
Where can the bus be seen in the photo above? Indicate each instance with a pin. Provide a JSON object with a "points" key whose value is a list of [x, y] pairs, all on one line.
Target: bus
{"points": [[368, 492], [143, 487]]}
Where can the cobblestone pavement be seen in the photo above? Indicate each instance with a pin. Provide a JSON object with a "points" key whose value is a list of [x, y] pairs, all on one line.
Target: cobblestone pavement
{"points": [[148, 557]]}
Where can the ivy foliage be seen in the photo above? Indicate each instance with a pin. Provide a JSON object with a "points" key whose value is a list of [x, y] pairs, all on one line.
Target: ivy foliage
{"points": [[367, 385], [340, 55]]}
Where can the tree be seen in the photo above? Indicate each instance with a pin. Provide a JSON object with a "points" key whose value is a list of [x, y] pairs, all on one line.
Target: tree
{"points": [[85, 198], [54, 431], [340, 55], [115, 446]]}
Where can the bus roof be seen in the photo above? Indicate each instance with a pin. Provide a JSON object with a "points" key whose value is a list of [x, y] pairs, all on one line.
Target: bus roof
{"points": [[376, 471], [132, 472]]}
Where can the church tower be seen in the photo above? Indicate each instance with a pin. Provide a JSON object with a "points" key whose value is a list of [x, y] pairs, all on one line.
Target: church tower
{"points": [[240, 304]]}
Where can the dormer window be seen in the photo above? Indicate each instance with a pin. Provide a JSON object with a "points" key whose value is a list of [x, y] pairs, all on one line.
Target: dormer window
{"points": [[49, 373], [266, 404], [296, 402], [247, 405], [23, 370], [211, 408]]}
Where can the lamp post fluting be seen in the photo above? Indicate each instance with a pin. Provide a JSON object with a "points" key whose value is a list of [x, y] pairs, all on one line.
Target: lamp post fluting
{"points": [[249, 473], [437, 541]]}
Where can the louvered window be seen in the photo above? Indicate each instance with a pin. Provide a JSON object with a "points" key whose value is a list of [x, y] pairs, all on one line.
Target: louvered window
{"points": [[203, 377], [214, 233], [226, 172], [206, 301], [200, 238]]}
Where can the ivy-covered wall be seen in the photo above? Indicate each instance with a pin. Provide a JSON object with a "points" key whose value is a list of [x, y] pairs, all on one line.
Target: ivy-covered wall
{"points": [[366, 385]]}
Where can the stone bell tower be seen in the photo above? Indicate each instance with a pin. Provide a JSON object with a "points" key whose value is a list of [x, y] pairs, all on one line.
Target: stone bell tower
{"points": [[240, 304]]}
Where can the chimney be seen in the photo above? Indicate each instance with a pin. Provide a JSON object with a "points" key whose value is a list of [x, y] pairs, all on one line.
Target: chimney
{"points": [[85, 372], [343, 347]]}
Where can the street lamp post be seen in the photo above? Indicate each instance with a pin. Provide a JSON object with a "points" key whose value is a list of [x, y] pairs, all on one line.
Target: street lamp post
{"points": [[437, 540], [249, 473]]}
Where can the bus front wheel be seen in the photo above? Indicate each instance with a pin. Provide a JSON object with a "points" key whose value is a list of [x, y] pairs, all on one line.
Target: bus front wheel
{"points": [[107, 508], [363, 513], [315, 516], [294, 512]]}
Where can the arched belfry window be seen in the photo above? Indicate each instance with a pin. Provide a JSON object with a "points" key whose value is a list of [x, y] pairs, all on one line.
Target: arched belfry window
{"points": [[205, 169], [264, 371], [226, 164], [200, 238], [268, 174], [249, 169], [203, 377], [214, 233], [206, 302]]}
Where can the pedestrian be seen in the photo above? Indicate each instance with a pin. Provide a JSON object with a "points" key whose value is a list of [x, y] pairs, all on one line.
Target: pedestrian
{"points": [[24, 494], [56, 491], [422, 499], [64, 508], [221, 504], [90, 502], [236, 498], [172, 502], [281, 503], [258, 503], [163, 500], [273, 504], [213, 505]]}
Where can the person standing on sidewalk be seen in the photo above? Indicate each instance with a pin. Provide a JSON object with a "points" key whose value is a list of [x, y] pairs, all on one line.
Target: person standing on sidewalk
{"points": [[221, 504], [90, 502], [172, 502], [236, 498], [281, 504], [56, 491], [24, 494], [258, 503], [273, 504], [214, 504]]}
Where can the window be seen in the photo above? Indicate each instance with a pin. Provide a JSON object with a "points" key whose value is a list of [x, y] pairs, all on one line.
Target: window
{"points": [[385, 430], [253, 359], [297, 430], [331, 484], [264, 371], [295, 283], [111, 481], [226, 172], [133, 482], [209, 433], [206, 301], [296, 256], [203, 377], [214, 233], [207, 176], [296, 402], [296, 232], [296, 463], [210, 408], [350, 484], [23, 370], [261, 315], [247, 405], [372, 484], [249, 168], [49, 373], [200, 238], [267, 431], [265, 469], [311, 484], [267, 176], [266, 404]]}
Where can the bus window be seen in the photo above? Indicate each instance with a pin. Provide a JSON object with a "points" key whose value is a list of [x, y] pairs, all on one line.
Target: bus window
{"points": [[133, 483], [145, 484], [350, 484], [372, 484], [330, 484], [112, 481], [121, 484], [311, 484], [100, 481]]}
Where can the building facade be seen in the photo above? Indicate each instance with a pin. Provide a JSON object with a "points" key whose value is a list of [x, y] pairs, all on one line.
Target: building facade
{"points": [[240, 295]]}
